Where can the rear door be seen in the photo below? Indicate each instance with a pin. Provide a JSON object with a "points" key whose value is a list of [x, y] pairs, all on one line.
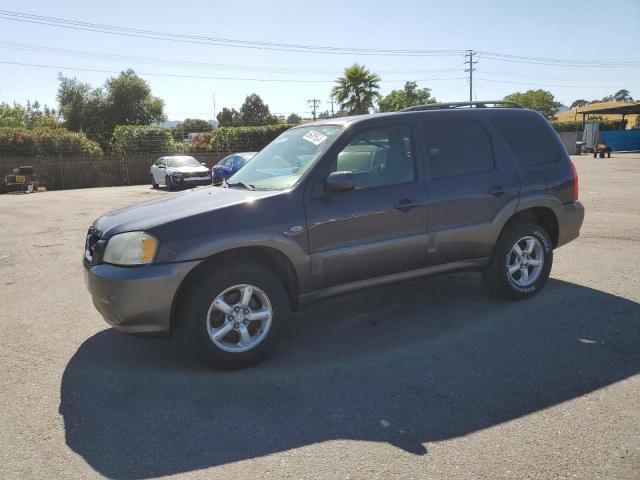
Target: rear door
{"points": [[469, 183], [380, 227]]}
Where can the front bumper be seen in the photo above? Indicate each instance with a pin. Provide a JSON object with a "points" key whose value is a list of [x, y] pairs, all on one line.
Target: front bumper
{"points": [[136, 299], [191, 181], [570, 219]]}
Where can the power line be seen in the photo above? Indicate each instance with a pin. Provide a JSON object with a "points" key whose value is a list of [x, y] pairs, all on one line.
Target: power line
{"points": [[302, 48], [535, 83], [183, 63], [556, 61], [207, 77], [199, 39]]}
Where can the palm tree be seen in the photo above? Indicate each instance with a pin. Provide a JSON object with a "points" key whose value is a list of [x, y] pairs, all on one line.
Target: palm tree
{"points": [[622, 96], [356, 90]]}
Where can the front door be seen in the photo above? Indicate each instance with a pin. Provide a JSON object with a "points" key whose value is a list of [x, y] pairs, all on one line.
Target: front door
{"points": [[378, 228]]}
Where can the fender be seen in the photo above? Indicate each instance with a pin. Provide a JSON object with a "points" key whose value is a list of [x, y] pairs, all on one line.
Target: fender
{"points": [[282, 243]]}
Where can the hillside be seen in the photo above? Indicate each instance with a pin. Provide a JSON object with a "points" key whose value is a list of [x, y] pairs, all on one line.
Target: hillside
{"points": [[574, 114]]}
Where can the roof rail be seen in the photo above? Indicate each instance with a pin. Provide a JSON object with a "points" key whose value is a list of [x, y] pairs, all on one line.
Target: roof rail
{"points": [[450, 105]]}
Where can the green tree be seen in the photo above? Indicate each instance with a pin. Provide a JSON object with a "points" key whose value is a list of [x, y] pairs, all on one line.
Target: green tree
{"points": [[228, 117], [294, 119], [356, 90], [408, 97], [622, 96], [255, 112], [12, 116], [123, 100], [540, 100], [129, 101], [190, 125], [579, 103]]}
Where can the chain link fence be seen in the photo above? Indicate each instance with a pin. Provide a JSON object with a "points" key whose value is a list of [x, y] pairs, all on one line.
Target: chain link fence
{"points": [[60, 172]]}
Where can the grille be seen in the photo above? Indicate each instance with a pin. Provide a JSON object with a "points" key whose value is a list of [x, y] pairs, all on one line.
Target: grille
{"points": [[195, 174]]}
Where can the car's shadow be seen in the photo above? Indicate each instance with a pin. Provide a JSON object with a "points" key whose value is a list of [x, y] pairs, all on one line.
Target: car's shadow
{"points": [[407, 364]]}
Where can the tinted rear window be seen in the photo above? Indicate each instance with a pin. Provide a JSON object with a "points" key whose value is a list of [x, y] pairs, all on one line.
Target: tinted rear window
{"points": [[530, 139], [458, 147]]}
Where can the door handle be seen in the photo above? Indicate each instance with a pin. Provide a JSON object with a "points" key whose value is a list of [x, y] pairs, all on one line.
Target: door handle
{"points": [[496, 191], [405, 205]]}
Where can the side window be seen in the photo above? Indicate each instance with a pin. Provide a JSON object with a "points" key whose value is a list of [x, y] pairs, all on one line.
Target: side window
{"points": [[226, 161], [161, 161], [458, 147], [379, 156], [238, 162], [530, 139]]}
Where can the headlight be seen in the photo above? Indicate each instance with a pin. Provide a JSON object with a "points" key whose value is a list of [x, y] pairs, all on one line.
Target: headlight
{"points": [[131, 248]]}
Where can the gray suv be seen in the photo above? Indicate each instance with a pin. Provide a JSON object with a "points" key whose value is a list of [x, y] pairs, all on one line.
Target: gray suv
{"points": [[335, 206]]}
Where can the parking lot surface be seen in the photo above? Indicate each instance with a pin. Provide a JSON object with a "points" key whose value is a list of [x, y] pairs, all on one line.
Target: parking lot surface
{"points": [[433, 378]]}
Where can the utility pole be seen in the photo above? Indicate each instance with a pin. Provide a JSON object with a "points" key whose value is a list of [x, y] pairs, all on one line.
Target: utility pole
{"points": [[315, 103], [331, 101], [470, 70]]}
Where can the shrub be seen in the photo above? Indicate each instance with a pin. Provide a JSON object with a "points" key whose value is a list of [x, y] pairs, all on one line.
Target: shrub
{"points": [[200, 143], [576, 126], [46, 141], [142, 139], [238, 139]]}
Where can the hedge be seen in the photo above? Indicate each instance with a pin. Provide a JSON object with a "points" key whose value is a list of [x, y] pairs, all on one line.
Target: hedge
{"points": [[238, 139], [576, 126], [142, 139], [46, 141]]}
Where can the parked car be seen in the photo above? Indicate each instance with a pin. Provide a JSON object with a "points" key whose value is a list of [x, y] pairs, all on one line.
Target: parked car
{"points": [[334, 206], [230, 165], [178, 171]]}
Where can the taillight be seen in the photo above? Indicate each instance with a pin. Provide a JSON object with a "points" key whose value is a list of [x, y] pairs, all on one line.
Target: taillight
{"points": [[576, 188]]}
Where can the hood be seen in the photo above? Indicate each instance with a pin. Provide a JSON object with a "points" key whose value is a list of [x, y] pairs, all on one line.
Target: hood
{"points": [[167, 208], [193, 169]]}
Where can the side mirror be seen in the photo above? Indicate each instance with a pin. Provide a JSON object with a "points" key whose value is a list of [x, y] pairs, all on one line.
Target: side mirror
{"points": [[161, 166], [340, 182]]}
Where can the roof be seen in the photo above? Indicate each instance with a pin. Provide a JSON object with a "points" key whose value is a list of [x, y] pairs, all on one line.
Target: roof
{"points": [[629, 109], [477, 108]]}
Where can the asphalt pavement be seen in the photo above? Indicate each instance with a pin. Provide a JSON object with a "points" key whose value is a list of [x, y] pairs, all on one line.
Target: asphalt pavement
{"points": [[433, 378]]}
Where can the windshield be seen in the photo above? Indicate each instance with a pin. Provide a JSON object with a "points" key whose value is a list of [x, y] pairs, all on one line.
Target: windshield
{"points": [[281, 163], [182, 162]]}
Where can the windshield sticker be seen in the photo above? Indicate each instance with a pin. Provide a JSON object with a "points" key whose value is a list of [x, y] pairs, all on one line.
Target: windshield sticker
{"points": [[315, 137]]}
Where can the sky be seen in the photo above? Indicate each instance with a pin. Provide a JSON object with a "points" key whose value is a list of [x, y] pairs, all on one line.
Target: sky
{"points": [[192, 77]]}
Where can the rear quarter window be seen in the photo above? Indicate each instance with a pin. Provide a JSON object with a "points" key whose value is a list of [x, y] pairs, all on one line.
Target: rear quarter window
{"points": [[530, 139]]}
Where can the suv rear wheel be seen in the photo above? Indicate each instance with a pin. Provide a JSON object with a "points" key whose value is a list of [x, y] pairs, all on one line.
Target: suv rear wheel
{"points": [[521, 262], [233, 317]]}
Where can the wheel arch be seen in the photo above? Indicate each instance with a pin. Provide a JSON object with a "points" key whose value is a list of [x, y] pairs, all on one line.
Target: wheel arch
{"points": [[542, 215], [271, 258]]}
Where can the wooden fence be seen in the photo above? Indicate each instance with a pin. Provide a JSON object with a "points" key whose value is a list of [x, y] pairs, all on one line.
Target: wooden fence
{"points": [[66, 172]]}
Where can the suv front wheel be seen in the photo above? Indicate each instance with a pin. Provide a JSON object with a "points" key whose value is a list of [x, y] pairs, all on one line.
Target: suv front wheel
{"points": [[233, 317], [521, 262]]}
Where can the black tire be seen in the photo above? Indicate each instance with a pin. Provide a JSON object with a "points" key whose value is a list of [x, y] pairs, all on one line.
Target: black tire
{"points": [[595, 154], [192, 322], [154, 185], [496, 275], [601, 154], [169, 183]]}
